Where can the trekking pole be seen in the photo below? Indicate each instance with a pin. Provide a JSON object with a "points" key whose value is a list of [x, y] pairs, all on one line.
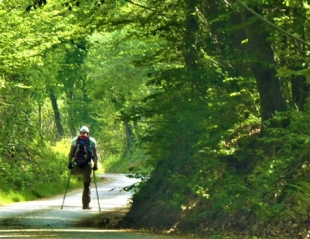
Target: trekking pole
{"points": [[96, 190], [63, 201]]}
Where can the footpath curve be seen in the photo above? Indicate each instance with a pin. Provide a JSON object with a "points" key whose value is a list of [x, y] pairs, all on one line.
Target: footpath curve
{"points": [[45, 218]]}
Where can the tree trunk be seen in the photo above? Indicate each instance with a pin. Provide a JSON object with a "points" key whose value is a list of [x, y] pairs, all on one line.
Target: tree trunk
{"points": [[263, 67], [300, 91], [59, 128], [40, 121], [129, 135], [191, 43], [300, 88]]}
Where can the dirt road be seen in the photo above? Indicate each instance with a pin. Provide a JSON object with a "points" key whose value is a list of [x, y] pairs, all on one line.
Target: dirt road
{"points": [[46, 219]]}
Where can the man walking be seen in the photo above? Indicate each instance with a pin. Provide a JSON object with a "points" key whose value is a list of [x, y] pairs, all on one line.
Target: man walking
{"points": [[83, 154]]}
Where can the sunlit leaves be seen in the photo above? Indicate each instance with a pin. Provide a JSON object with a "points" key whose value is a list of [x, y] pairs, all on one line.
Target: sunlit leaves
{"points": [[25, 36]]}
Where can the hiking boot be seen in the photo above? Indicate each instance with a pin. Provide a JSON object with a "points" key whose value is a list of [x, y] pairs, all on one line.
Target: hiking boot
{"points": [[87, 207]]}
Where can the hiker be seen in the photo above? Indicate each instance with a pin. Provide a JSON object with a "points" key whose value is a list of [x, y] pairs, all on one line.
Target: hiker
{"points": [[82, 160]]}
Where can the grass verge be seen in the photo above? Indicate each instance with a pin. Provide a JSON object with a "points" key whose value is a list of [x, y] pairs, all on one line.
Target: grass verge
{"points": [[9, 195]]}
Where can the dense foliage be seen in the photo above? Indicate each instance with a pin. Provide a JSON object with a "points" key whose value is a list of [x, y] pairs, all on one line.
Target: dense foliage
{"points": [[209, 98]]}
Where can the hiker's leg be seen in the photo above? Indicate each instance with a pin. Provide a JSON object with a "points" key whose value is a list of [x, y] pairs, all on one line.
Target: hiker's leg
{"points": [[86, 197], [76, 170]]}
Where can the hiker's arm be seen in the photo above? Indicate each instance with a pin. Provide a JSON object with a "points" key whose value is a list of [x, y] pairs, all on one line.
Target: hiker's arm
{"points": [[95, 155], [70, 154]]}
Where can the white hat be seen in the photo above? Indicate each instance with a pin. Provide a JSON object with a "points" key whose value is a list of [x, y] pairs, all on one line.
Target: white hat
{"points": [[84, 129]]}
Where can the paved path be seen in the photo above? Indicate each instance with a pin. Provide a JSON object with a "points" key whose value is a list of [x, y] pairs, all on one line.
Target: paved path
{"points": [[45, 218]]}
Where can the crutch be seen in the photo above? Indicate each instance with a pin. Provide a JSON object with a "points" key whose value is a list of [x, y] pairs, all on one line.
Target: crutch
{"points": [[96, 190], [63, 201]]}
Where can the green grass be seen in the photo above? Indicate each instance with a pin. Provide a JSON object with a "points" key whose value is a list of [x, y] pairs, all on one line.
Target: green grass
{"points": [[123, 164], [54, 188], [112, 164], [8, 195]]}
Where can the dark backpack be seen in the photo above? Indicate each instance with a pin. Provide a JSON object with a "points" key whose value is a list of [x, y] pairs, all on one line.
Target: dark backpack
{"points": [[83, 151]]}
